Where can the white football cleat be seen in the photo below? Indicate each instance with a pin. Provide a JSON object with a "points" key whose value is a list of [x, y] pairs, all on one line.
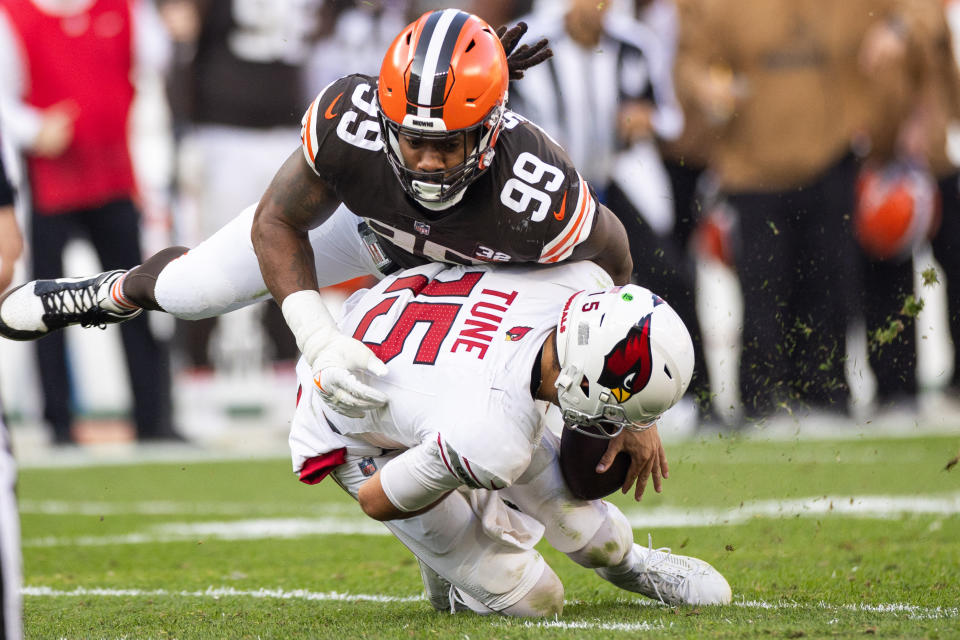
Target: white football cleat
{"points": [[671, 579], [35, 309], [444, 597], [436, 587]]}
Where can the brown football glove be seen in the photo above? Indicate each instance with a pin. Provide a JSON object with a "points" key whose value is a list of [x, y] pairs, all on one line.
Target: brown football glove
{"points": [[524, 57]]}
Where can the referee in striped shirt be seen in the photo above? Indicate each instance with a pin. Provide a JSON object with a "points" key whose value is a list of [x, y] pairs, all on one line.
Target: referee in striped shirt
{"points": [[606, 95], [11, 623]]}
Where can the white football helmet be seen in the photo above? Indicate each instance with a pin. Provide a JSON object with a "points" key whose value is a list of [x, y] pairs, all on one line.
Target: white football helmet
{"points": [[625, 357]]}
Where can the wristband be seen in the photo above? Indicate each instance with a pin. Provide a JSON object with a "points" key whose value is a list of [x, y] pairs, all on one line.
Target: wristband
{"points": [[306, 314]]}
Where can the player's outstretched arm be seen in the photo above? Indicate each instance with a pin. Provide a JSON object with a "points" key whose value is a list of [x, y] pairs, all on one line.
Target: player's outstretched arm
{"points": [[375, 503], [408, 485], [296, 201], [647, 458], [608, 246]]}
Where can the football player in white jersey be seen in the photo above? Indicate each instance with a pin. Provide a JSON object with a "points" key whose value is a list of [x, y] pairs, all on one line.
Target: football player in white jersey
{"points": [[477, 357], [430, 158]]}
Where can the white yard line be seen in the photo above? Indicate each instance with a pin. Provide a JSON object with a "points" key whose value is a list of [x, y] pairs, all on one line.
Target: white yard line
{"points": [[171, 507], [913, 612], [346, 519], [896, 609], [267, 528], [875, 507], [217, 593]]}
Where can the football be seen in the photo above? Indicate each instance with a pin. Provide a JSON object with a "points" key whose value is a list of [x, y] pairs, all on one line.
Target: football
{"points": [[579, 455]]}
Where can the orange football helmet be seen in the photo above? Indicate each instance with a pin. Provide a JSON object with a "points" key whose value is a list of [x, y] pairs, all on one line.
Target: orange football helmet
{"points": [[444, 75], [897, 210]]}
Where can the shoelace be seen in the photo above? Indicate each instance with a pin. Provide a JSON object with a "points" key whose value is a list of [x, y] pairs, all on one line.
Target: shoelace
{"points": [[665, 558], [69, 301]]}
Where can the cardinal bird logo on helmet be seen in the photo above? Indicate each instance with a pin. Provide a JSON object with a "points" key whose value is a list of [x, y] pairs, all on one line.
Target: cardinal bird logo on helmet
{"points": [[627, 368]]}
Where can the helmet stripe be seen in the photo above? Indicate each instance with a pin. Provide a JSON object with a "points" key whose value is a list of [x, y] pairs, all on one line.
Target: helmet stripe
{"points": [[419, 55], [431, 62]]}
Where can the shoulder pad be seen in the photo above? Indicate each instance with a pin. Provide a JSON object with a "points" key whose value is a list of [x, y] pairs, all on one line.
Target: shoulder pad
{"points": [[342, 116]]}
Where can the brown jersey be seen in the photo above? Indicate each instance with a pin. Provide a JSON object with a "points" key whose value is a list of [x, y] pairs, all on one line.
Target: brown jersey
{"points": [[531, 205]]}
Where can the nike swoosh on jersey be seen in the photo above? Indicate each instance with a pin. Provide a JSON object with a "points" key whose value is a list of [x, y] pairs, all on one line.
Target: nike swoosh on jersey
{"points": [[329, 114], [563, 208]]}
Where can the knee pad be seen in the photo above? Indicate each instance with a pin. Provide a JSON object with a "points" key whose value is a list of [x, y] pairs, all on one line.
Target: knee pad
{"points": [[544, 599], [542, 493], [219, 275], [197, 285], [609, 545], [191, 289], [451, 539]]}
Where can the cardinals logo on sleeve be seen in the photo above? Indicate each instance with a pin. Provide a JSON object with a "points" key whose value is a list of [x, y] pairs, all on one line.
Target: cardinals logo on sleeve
{"points": [[517, 333]]}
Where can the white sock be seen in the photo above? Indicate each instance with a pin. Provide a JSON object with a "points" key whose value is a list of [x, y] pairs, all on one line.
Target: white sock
{"points": [[116, 301]]}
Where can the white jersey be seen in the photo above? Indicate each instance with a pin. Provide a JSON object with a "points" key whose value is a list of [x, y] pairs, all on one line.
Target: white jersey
{"points": [[460, 344]]}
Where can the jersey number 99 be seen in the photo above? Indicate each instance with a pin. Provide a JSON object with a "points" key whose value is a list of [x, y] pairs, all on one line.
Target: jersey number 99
{"points": [[520, 192]]}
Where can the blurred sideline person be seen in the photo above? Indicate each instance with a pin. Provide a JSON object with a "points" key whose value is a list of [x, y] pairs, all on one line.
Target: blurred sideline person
{"points": [[431, 159], [606, 95], [944, 115], [237, 86], [474, 352], [916, 93], [11, 569], [785, 95], [500, 12], [70, 121], [353, 36]]}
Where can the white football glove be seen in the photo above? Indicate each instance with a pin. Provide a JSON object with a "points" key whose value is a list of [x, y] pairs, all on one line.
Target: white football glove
{"points": [[332, 355]]}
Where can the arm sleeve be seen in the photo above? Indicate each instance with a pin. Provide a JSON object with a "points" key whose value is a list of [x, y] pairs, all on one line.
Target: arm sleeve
{"points": [[417, 477]]}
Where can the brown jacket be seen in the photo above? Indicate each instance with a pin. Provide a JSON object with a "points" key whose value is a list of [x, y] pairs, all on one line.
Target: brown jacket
{"points": [[793, 67], [942, 93]]}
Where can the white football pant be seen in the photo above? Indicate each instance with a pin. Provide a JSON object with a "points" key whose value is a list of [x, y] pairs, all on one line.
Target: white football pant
{"points": [[485, 548], [222, 273]]}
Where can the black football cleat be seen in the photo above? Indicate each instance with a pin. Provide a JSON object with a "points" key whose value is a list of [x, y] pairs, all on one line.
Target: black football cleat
{"points": [[36, 308]]}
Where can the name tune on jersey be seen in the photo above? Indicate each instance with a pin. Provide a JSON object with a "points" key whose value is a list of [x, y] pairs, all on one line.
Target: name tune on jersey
{"points": [[484, 322]]}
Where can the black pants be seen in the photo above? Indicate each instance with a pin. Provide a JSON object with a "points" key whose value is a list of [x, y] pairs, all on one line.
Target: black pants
{"points": [[886, 286], [946, 249], [892, 352], [663, 265], [799, 275], [114, 230]]}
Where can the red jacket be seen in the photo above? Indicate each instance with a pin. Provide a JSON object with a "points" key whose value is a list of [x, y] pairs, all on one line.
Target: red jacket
{"points": [[85, 58]]}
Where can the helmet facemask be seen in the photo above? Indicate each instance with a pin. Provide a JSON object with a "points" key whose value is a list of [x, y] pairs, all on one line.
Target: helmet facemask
{"points": [[440, 190]]}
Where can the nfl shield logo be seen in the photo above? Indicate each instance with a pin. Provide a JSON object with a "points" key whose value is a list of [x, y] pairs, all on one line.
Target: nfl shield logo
{"points": [[421, 227], [367, 467]]}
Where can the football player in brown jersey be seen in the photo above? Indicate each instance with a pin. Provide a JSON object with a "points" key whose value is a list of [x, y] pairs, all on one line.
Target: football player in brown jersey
{"points": [[424, 163]]}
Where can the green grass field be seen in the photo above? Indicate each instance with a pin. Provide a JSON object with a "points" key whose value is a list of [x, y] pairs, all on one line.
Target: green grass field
{"points": [[818, 539]]}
